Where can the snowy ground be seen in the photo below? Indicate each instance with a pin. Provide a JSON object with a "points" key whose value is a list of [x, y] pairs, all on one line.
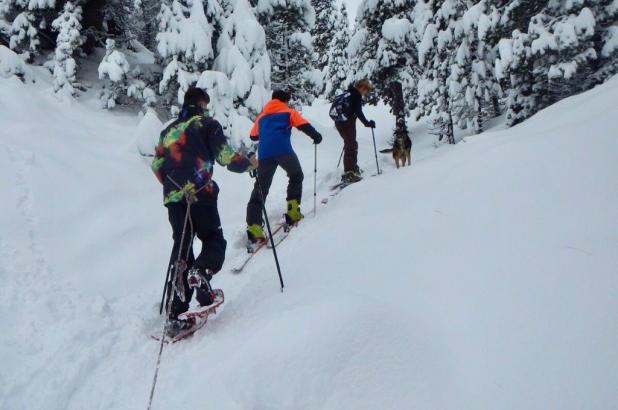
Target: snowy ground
{"points": [[483, 277]]}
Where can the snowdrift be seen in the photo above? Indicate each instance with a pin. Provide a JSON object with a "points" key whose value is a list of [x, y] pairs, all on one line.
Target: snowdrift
{"points": [[482, 277]]}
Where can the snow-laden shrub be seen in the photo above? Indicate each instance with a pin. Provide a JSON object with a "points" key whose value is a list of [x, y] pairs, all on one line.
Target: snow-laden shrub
{"points": [[12, 65]]}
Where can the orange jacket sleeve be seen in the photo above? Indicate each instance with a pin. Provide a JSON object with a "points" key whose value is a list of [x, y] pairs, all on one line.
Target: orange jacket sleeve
{"points": [[296, 120], [255, 130]]}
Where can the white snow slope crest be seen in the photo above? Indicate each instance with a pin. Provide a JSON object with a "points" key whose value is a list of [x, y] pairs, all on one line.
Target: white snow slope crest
{"points": [[482, 277]]}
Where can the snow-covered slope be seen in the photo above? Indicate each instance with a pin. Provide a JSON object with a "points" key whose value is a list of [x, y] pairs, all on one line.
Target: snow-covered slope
{"points": [[483, 277]]}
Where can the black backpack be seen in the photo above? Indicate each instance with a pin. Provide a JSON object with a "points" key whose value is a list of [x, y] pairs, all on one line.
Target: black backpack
{"points": [[340, 110]]}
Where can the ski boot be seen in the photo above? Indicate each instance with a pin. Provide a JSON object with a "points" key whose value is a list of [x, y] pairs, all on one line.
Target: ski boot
{"points": [[293, 216], [199, 279], [255, 237], [351, 177]]}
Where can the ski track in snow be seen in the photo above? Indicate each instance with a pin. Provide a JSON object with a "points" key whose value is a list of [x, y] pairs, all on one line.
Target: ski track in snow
{"points": [[36, 287]]}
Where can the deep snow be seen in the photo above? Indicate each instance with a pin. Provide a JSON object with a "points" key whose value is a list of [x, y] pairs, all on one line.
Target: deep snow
{"points": [[482, 277]]}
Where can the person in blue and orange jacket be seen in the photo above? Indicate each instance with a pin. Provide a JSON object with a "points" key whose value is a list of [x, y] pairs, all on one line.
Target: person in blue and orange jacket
{"points": [[273, 129]]}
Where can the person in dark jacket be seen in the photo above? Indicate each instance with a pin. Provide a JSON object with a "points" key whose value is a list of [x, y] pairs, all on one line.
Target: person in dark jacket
{"points": [[347, 130], [183, 163], [273, 129]]}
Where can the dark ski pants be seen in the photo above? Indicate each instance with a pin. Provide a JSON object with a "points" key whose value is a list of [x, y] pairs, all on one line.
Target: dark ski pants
{"points": [[204, 223], [347, 130], [266, 172]]}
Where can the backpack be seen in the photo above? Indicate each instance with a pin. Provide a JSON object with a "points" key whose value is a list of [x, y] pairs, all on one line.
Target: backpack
{"points": [[340, 109]]}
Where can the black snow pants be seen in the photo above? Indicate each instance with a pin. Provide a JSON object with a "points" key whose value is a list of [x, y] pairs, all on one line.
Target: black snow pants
{"points": [[204, 223], [266, 172]]}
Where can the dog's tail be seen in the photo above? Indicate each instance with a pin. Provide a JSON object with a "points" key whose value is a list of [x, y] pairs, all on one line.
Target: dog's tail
{"points": [[386, 151]]}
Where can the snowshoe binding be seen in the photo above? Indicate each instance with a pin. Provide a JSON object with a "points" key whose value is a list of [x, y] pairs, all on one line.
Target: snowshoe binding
{"points": [[176, 328]]}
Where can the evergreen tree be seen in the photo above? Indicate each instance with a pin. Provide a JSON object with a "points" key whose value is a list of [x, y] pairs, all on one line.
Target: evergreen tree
{"points": [[185, 46], [22, 23], [337, 69], [288, 40], [243, 57], [382, 27], [607, 41], [221, 97], [129, 20], [437, 54], [515, 65], [113, 70], [146, 13], [397, 62], [69, 39], [473, 89], [563, 48], [327, 20], [557, 54]]}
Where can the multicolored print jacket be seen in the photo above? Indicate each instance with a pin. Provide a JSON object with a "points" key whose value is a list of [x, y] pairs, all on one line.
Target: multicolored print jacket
{"points": [[186, 153]]}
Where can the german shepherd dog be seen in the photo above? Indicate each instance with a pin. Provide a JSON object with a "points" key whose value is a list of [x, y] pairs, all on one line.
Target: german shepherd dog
{"points": [[402, 145]]}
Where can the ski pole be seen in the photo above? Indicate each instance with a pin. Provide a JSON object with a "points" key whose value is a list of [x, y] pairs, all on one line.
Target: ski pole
{"points": [[165, 287], [315, 179], [270, 233], [340, 157], [375, 150], [177, 265]]}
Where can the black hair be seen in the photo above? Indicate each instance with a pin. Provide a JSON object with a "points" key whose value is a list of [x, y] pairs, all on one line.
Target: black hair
{"points": [[282, 95], [194, 95]]}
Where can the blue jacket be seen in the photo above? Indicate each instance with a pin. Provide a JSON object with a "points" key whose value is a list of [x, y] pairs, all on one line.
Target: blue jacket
{"points": [[273, 128]]}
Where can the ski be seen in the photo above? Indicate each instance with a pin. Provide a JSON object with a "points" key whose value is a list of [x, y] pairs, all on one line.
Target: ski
{"points": [[200, 315], [336, 189], [286, 232], [254, 251]]}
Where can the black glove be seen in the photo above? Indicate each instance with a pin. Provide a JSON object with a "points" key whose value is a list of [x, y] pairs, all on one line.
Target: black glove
{"points": [[317, 139], [371, 124]]}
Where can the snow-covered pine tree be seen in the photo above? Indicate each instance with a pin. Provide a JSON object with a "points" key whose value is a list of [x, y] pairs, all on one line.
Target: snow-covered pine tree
{"points": [[514, 62], [563, 49], [243, 57], [327, 20], [514, 66], [397, 59], [337, 69], [21, 22], [125, 20], [288, 39], [472, 86], [69, 39], [146, 11], [113, 71], [185, 45], [373, 45], [557, 54], [607, 43], [437, 54]]}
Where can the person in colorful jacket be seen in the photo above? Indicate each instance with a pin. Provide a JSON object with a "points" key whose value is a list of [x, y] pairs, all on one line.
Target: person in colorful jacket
{"points": [[183, 163], [273, 129]]}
